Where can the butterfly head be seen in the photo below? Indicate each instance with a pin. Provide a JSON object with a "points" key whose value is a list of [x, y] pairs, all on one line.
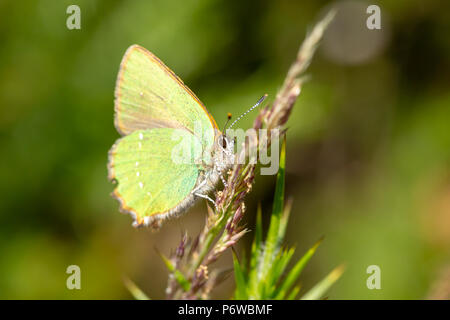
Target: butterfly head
{"points": [[224, 152]]}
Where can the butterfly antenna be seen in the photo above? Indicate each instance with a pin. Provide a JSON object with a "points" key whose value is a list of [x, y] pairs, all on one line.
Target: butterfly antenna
{"points": [[242, 115], [228, 120]]}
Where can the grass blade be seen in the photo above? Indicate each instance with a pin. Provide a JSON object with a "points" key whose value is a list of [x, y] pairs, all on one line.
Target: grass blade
{"points": [[319, 289], [273, 235], [135, 291], [293, 275], [241, 285], [293, 294], [256, 246], [273, 239]]}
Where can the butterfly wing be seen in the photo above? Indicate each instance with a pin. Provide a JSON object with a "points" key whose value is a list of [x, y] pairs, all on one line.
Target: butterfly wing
{"points": [[154, 171], [150, 95]]}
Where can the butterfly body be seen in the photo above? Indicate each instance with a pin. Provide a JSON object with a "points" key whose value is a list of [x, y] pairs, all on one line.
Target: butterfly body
{"points": [[171, 152]]}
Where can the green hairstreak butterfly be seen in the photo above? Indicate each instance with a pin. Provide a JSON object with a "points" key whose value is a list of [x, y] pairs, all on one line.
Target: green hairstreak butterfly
{"points": [[152, 105]]}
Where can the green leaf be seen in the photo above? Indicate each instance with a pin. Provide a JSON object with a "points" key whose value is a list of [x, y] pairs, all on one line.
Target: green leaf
{"points": [[293, 275], [135, 291], [319, 289], [285, 218], [276, 271], [242, 263], [280, 263], [293, 294], [256, 248], [241, 285], [261, 278], [274, 236]]}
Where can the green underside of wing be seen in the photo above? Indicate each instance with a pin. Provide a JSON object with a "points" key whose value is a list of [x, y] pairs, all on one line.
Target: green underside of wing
{"points": [[148, 95], [151, 177]]}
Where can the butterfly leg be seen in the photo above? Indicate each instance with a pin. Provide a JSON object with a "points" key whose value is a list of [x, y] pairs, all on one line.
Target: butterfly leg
{"points": [[200, 185], [206, 197]]}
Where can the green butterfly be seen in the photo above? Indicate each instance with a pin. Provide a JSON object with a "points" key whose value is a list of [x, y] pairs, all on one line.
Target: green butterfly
{"points": [[158, 117]]}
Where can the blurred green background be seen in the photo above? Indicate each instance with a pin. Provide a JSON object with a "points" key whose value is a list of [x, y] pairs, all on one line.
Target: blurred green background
{"points": [[368, 141]]}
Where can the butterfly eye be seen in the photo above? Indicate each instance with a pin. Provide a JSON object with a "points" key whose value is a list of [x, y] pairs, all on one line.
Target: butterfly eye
{"points": [[224, 143]]}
